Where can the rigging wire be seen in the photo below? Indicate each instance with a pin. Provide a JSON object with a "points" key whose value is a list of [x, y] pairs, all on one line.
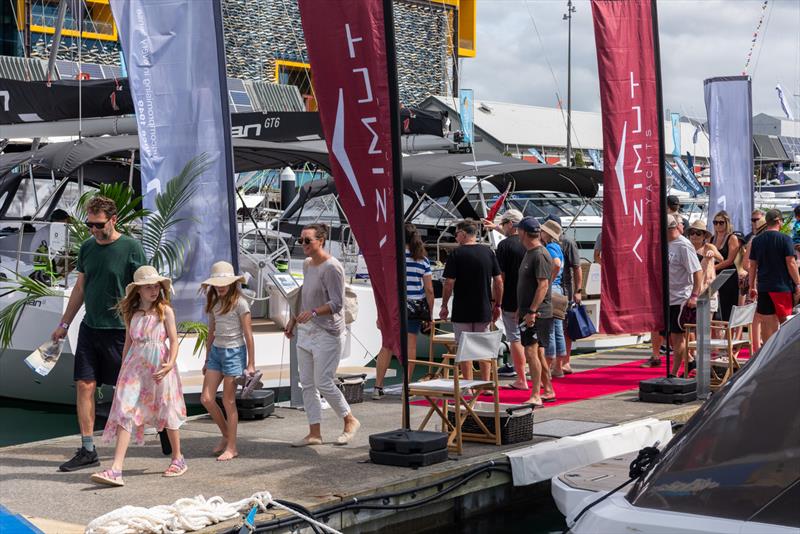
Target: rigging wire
{"points": [[552, 74], [763, 40]]}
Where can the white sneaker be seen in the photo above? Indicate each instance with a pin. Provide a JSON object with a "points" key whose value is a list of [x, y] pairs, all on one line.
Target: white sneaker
{"points": [[377, 393]]}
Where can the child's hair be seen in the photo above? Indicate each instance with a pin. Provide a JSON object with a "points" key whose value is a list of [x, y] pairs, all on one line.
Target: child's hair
{"points": [[227, 302], [414, 242], [129, 305]]}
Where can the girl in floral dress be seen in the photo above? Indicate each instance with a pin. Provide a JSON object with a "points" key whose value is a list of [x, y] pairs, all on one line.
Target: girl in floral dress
{"points": [[148, 392]]}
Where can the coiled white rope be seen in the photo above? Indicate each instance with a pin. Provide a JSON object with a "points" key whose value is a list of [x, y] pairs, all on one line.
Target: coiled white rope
{"points": [[185, 515]]}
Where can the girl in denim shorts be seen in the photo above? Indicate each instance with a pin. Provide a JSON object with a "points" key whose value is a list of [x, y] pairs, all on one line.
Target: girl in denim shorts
{"points": [[229, 351]]}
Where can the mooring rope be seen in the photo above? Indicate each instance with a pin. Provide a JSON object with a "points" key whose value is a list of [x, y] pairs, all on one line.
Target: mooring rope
{"points": [[185, 515]]}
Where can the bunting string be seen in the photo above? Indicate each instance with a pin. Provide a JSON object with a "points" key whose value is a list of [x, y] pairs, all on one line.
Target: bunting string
{"points": [[755, 37]]}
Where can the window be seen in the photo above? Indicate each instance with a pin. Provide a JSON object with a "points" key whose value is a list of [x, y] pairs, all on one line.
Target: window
{"points": [[299, 74]]}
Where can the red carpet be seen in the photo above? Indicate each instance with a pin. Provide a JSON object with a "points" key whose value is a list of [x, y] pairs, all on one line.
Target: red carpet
{"points": [[586, 384]]}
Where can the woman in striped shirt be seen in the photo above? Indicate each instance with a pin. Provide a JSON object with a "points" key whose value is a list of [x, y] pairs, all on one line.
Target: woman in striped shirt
{"points": [[419, 285]]}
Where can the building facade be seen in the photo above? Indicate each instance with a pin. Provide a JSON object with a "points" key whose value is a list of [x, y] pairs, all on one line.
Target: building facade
{"points": [[263, 40]]}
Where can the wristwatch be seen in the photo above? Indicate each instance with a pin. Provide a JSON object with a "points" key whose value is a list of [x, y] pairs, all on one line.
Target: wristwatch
{"points": [[65, 326]]}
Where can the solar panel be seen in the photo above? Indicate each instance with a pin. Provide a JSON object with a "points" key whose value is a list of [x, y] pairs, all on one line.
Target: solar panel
{"points": [[240, 98], [110, 71], [235, 84], [66, 69], [93, 70], [792, 147]]}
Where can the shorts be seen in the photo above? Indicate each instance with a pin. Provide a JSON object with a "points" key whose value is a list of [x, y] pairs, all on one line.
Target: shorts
{"points": [[775, 303], [511, 326], [458, 328], [228, 361], [98, 355], [538, 334], [674, 327], [414, 326]]}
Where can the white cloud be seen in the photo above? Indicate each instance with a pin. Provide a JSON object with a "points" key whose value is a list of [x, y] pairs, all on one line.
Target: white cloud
{"points": [[699, 39]]}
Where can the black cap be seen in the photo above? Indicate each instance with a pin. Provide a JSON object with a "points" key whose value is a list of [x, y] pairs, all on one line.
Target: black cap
{"points": [[672, 200], [529, 224]]}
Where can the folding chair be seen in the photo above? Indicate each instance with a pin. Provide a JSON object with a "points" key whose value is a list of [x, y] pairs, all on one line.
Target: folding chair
{"points": [[473, 346], [723, 367], [440, 336]]}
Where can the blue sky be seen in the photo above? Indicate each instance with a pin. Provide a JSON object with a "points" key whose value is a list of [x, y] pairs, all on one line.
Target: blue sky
{"points": [[699, 39]]}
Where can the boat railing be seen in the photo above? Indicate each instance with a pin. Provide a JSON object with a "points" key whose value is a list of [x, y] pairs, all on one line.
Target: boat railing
{"points": [[36, 256]]}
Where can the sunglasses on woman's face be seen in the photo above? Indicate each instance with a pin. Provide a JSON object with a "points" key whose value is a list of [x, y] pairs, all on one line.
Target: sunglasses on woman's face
{"points": [[305, 241], [719, 223], [97, 225], [696, 233]]}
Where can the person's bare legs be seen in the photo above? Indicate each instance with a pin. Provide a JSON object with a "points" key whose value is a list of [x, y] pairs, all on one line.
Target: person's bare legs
{"points": [[486, 370], [655, 345], [208, 398], [232, 418], [678, 351], [518, 357], [85, 390], [563, 363], [755, 332], [123, 440], [547, 382], [466, 370], [769, 325], [382, 362], [532, 355], [412, 354], [175, 441]]}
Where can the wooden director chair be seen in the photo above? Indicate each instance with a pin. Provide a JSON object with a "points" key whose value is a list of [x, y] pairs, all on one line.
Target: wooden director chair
{"points": [[439, 336], [724, 366], [473, 346]]}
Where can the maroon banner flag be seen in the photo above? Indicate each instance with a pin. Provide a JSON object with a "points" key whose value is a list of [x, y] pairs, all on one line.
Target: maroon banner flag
{"points": [[631, 297], [346, 44]]}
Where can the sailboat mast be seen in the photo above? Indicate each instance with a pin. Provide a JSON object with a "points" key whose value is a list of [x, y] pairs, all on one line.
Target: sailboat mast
{"points": [[568, 17]]}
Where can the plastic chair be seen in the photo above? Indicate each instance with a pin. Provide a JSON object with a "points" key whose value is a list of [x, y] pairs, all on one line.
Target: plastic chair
{"points": [[723, 367], [473, 346]]}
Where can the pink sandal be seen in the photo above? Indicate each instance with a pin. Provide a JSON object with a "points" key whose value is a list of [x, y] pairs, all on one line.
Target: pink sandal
{"points": [[109, 477], [176, 468]]}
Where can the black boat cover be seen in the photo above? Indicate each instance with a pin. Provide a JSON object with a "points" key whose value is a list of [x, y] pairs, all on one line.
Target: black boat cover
{"points": [[58, 100]]}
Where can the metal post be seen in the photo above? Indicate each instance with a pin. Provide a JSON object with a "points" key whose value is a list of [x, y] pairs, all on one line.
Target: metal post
{"points": [[568, 17], [397, 179], [663, 184], [296, 398], [703, 356]]}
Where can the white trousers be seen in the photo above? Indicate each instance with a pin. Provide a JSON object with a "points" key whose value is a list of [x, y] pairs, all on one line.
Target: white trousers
{"points": [[318, 355]]}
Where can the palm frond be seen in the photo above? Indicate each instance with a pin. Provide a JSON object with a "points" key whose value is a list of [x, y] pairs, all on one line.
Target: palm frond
{"points": [[167, 252], [194, 327], [32, 291]]}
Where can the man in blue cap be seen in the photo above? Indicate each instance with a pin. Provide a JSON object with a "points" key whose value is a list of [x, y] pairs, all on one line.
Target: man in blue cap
{"points": [[535, 308]]}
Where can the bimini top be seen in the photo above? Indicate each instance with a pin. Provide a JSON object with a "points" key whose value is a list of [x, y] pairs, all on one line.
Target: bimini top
{"points": [[434, 173], [249, 154], [738, 457]]}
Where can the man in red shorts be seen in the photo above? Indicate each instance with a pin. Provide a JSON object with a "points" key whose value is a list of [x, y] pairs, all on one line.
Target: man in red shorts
{"points": [[774, 280]]}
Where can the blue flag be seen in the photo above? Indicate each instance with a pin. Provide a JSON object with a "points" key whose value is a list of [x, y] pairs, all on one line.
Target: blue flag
{"points": [[466, 107], [175, 58], [677, 179], [696, 188]]}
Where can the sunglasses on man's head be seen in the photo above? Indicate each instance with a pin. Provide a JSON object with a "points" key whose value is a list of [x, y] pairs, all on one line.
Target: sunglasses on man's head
{"points": [[305, 241], [97, 225], [719, 222]]}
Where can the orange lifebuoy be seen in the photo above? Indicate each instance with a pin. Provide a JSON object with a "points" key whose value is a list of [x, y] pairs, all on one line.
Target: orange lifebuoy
{"points": [[82, 76]]}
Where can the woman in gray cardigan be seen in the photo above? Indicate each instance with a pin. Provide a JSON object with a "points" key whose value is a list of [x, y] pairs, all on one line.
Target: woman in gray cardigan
{"points": [[320, 336]]}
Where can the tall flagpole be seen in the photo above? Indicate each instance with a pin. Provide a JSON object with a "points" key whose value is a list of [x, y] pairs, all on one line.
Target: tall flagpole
{"points": [[568, 17], [397, 182], [663, 195]]}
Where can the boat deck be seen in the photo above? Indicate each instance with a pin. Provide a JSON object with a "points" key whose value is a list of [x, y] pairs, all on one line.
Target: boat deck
{"points": [[315, 476]]}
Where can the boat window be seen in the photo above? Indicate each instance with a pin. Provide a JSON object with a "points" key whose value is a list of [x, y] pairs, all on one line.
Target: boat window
{"points": [[431, 211], [25, 201], [319, 210], [68, 201], [739, 457]]}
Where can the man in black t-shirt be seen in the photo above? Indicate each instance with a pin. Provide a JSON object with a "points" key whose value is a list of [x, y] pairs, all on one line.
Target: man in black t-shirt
{"points": [[535, 308], [774, 280], [509, 256], [472, 276]]}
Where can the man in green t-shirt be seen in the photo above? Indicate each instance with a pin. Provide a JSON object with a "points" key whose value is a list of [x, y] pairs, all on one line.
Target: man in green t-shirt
{"points": [[106, 263]]}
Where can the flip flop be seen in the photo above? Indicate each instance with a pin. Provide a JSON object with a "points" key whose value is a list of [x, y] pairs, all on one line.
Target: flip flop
{"points": [[250, 383], [548, 399], [533, 404], [516, 388]]}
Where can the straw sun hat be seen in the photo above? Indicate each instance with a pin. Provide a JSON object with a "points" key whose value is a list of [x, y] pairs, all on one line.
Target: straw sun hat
{"points": [[552, 228], [222, 275], [146, 275], [700, 224]]}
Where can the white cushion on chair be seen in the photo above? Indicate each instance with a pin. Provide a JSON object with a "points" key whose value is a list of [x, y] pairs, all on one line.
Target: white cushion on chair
{"points": [[721, 343], [443, 384]]}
